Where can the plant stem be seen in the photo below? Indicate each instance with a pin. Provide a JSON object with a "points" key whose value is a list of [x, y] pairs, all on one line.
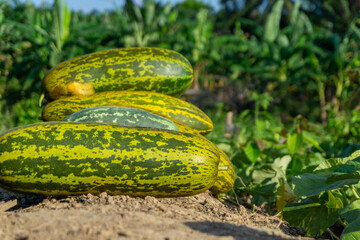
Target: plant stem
{"points": [[242, 183], [355, 192], [321, 92], [333, 234], [257, 117], [342, 222]]}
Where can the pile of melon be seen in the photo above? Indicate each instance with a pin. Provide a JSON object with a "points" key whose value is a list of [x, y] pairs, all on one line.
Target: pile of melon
{"points": [[113, 122]]}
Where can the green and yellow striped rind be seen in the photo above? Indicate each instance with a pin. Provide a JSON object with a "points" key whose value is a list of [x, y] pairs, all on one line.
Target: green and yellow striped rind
{"points": [[61, 158], [135, 69], [123, 116], [226, 173], [157, 103]]}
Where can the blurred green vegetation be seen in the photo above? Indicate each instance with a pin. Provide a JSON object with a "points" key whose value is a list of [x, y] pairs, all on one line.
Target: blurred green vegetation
{"points": [[279, 78]]}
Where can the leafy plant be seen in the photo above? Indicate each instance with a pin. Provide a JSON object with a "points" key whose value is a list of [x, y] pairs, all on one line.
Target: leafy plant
{"points": [[327, 195], [279, 78]]}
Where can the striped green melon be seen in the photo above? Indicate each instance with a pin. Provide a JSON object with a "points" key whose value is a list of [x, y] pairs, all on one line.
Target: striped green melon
{"points": [[123, 116], [226, 173], [63, 158], [135, 69], [157, 103]]}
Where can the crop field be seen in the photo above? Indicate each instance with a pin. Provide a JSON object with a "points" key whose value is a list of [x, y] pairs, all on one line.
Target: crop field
{"points": [[272, 85]]}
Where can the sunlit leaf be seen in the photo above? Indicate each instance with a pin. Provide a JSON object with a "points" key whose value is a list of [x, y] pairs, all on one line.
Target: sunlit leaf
{"points": [[329, 165], [294, 142], [312, 141], [272, 25]]}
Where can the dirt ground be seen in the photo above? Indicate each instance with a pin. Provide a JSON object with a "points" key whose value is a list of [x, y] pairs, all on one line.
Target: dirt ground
{"points": [[122, 217]]}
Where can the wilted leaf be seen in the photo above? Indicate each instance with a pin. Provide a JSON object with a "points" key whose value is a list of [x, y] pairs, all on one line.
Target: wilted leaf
{"points": [[284, 195]]}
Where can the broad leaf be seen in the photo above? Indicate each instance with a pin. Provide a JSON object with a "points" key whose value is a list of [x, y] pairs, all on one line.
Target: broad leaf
{"points": [[351, 212], [310, 184], [346, 178], [282, 163], [329, 165], [314, 216], [352, 231], [272, 25], [264, 173], [351, 166], [240, 160], [312, 141], [294, 142], [270, 173], [265, 191], [346, 172], [252, 152]]}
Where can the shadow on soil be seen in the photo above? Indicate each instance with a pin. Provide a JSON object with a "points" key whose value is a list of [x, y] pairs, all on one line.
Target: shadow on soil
{"points": [[11, 202], [220, 229]]}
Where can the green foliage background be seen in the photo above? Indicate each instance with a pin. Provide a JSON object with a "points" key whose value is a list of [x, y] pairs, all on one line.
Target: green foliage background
{"points": [[283, 77]]}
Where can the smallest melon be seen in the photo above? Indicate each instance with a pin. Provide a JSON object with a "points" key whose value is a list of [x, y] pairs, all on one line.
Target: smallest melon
{"points": [[123, 116]]}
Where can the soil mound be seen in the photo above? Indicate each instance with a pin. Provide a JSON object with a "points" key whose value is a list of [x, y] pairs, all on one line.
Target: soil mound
{"points": [[122, 217]]}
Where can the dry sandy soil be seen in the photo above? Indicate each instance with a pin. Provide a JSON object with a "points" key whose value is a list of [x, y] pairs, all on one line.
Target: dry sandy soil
{"points": [[122, 217]]}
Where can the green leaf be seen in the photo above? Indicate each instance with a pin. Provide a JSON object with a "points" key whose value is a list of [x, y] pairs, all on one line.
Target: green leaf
{"points": [[281, 164], [266, 191], [313, 215], [351, 166], [272, 25], [313, 142], [61, 23], [355, 29], [252, 152], [348, 178], [295, 12], [240, 160], [329, 165], [346, 172], [352, 231], [351, 212], [310, 184], [294, 142], [270, 175], [264, 173]]}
